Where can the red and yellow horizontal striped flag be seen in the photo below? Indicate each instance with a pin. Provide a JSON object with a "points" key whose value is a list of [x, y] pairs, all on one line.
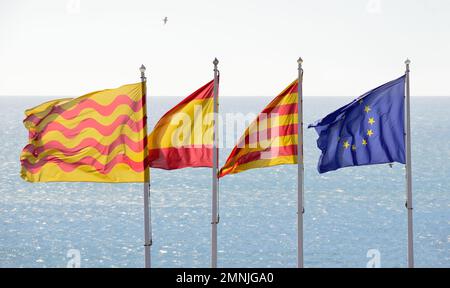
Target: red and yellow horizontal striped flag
{"points": [[271, 139], [98, 137], [183, 137]]}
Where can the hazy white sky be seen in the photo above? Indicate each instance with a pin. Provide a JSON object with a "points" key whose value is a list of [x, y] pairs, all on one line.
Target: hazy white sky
{"points": [[70, 47]]}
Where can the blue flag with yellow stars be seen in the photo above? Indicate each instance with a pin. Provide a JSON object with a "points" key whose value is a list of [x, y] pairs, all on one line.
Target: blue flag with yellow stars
{"points": [[369, 130]]}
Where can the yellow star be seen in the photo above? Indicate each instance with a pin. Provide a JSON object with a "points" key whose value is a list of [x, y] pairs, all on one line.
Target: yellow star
{"points": [[367, 109], [346, 144], [371, 120], [364, 142], [353, 147], [369, 132]]}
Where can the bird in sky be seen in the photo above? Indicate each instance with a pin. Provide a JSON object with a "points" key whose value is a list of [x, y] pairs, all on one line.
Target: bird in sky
{"points": [[165, 20]]}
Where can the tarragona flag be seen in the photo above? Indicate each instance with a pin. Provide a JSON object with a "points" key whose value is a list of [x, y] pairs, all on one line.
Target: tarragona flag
{"points": [[183, 137], [271, 139], [98, 137]]}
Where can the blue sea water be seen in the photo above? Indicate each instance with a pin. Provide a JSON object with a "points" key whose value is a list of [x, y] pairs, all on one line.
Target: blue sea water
{"points": [[347, 212]]}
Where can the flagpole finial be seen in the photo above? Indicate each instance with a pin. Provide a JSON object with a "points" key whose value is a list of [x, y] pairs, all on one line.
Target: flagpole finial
{"points": [[215, 62], [407, 62], [300, 62], [142, 69]]}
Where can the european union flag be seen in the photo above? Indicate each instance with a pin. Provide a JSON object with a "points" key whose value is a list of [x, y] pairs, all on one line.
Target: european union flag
{"points": [[369, 130]]}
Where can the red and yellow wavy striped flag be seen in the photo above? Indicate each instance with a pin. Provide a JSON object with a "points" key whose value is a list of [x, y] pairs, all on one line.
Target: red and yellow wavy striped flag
{"points": [[98, 137], [269, 140], [183, 137]]}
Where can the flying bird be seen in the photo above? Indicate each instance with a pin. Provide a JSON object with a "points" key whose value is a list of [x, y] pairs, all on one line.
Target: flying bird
{"points": [[165, 20]]}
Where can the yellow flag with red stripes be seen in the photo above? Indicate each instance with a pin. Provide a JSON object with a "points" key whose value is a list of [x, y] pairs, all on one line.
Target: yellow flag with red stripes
{"points": [[271, 139], [183, 137], [98, 137]]}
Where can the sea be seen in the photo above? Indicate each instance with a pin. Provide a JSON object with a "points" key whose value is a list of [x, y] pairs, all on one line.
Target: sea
{"points": [[354, 217]]}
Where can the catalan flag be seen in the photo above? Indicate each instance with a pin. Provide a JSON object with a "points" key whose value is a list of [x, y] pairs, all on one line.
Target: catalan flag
{"points": [[183, 137], [98, 137], [269, 140]]}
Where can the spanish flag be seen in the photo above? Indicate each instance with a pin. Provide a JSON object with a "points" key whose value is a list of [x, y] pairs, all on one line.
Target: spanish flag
{"points": [[271, 139], [183, 137], [98, 137]]}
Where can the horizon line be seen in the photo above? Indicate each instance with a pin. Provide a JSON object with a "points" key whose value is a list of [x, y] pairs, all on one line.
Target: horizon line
{"points": [[230, 96]]}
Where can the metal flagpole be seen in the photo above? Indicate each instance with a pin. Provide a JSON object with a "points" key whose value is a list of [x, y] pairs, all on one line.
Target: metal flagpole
{"points": [[214, 218], [300, 166], [147, 213], [409, 202]]}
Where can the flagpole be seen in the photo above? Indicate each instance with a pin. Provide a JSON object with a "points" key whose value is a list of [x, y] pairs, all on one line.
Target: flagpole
{"points": [[214, 218], [147, 213], [300, 167], [409, 202]]}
